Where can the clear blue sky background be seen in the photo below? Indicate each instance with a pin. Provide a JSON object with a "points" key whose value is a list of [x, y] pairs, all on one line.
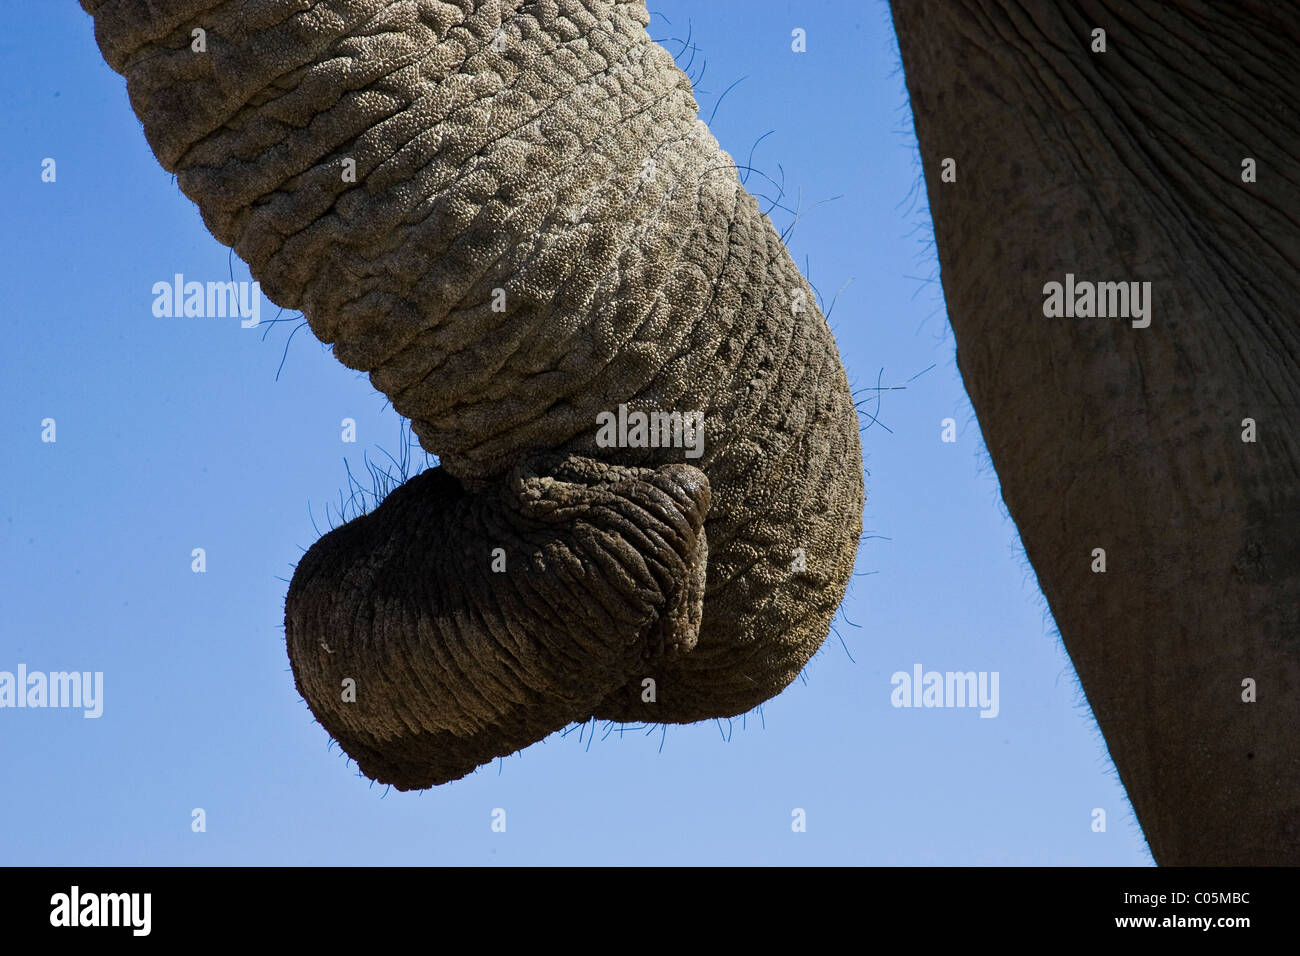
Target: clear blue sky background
{"points": [[175, 434]]}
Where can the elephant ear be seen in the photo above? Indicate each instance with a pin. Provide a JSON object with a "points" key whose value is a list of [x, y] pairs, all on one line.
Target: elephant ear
{"points": [[450, 627]]}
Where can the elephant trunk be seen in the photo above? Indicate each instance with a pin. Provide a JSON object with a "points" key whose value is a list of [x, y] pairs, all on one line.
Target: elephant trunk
{"points": [[509, 214], [512, 217]]}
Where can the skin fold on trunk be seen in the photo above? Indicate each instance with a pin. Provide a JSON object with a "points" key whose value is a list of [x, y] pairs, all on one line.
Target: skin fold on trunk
{"points": [[1127, 166], [512, 217]]}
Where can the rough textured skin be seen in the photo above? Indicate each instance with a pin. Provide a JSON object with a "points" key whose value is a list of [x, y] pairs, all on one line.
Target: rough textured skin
{"points": [[549, 149], [1127, 166]]}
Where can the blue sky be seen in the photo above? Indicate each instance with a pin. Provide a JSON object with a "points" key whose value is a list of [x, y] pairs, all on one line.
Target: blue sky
{"points": [[175, 434]]}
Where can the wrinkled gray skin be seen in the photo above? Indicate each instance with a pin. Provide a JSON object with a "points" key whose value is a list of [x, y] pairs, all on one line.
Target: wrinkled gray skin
{"points": [[1126, 166], [549, 149]]}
